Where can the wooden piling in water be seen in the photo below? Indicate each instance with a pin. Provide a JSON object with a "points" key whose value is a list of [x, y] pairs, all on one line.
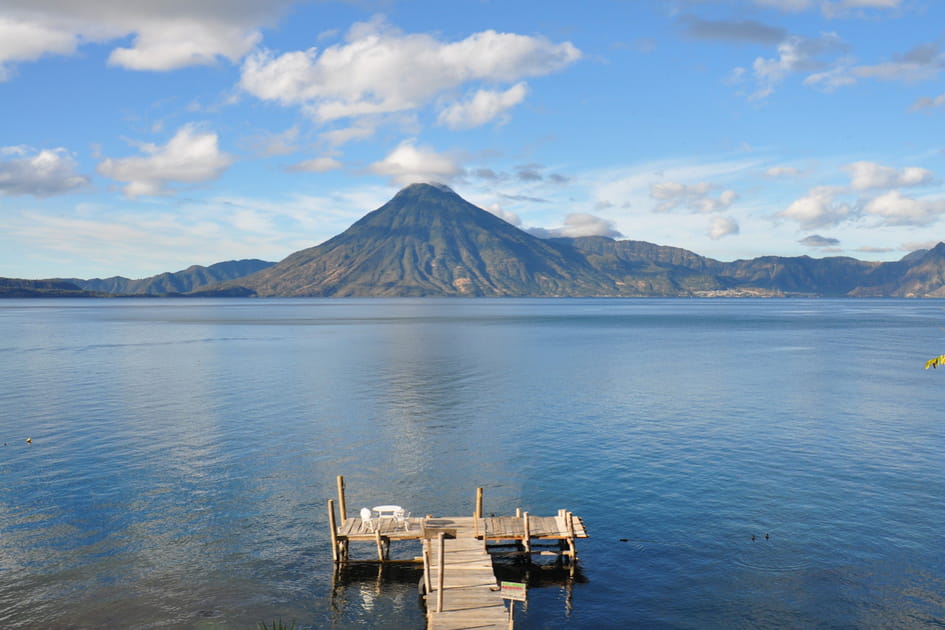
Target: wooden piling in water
{"points": [[526, 541], [342, 507], [334, 530]]}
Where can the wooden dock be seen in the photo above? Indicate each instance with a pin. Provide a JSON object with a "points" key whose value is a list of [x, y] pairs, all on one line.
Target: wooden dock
{"points": [[459, 585]]}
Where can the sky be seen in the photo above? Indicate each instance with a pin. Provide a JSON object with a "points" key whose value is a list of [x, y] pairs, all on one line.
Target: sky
{"points": [[143, 137]]}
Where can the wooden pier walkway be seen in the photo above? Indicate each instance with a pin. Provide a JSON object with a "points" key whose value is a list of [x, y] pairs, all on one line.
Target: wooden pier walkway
{"points": [[459, 585], [468, 596]]}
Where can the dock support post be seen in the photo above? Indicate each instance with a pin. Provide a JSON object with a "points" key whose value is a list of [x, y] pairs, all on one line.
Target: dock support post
{"points": [[427, 567], [441, 549], [477, 516], [334, 530], [342, 507], [380, 545], [526, 526], [571, 546]]}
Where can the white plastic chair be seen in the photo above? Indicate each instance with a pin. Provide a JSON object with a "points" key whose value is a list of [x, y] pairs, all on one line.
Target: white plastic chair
{"points": [[403, 518], [366, 517]]}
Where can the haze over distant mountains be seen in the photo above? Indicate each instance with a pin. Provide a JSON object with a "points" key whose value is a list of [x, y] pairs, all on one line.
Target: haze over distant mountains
{"points": [[428, 241]]}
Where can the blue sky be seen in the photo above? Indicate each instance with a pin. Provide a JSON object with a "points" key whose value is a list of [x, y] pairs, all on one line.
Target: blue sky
{"points": [[143, 137]]}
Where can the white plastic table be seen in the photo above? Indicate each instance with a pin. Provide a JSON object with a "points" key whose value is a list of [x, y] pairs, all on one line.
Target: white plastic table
{"points": [[388, 511]]}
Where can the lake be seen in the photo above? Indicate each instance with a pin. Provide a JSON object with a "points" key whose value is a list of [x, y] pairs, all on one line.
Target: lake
{"points": [[738, 463]]}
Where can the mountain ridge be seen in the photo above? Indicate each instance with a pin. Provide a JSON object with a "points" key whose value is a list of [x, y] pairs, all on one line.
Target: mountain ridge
{"points": [[429, 241]]}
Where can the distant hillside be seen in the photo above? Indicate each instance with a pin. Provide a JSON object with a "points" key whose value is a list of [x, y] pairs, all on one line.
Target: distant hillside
{"points": [[427, 240], [18, 288], [186, 281]]}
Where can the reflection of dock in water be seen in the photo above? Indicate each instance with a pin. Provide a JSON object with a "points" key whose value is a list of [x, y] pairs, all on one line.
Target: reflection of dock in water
{"points": [[459, 582]]}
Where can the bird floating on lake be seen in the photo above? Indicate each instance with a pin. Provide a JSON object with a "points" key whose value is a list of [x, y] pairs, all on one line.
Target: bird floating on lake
{"points": [[29, 440]]}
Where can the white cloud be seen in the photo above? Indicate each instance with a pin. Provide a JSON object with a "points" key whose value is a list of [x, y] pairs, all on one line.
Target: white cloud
{"points": [[582, 224], [408, 164], [795, 54], [338, 137], [868, 175], [506, 215], [484, 106], [818, 208], [695, 197], [786, 5], [895, 209], [722, 226], [922, 63], [168, 43], [317, 165], [577, 225], [829, 80], [166, 35], [189, 157], [782, 171], [844, 7], [380, 70], [28, 40], [41, 173]]}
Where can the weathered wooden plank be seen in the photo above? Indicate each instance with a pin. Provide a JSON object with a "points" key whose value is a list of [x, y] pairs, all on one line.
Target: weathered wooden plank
{"points": [[470, 596]]}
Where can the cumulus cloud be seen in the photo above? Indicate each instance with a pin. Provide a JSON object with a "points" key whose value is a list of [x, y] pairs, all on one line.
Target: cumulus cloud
{"points": [[484, 106], [579, 224], [164, 35], [818, 208], [190, 156], [409, 163], [506, 215], [26, 39], [869, 175], [894, 208], [695, 197], [720, 227], [816, 240], [316, 165], [41, 173], [380, 70]]}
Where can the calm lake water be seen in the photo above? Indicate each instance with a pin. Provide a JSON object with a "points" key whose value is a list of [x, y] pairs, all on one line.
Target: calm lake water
{"points": [[183, 453]]}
